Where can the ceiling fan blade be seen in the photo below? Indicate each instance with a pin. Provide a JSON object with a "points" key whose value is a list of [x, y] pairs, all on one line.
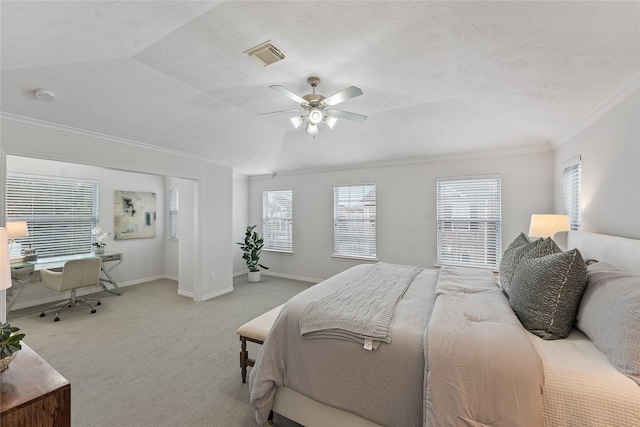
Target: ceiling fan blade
{"points": [[282, 112], [343, 95], [347, 115], [286, 92]]}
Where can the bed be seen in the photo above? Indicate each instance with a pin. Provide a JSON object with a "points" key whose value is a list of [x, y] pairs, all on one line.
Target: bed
{"points": [[458, 355]]}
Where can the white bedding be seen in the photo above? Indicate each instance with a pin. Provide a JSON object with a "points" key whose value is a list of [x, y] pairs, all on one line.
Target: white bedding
{"points": [[581, 386]]}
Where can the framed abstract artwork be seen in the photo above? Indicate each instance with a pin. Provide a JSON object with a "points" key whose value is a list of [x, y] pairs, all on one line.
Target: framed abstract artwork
{"points": [[134, 215]]}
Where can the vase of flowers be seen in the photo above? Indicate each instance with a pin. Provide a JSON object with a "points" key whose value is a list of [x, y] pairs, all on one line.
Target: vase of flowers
{"points": [[9, 344], [99, 244]]}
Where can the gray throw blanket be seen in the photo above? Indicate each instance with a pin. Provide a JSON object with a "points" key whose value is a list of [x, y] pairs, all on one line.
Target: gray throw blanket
{"points": [[363, 309]]}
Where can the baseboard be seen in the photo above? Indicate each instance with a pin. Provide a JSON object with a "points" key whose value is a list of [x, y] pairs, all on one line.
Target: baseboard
{"points": [[282, 275], [185, 293], [217, 293], [291, 276]]}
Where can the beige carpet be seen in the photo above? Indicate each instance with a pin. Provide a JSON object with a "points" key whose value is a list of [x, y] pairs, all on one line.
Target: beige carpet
{"points": [[153, 358]]}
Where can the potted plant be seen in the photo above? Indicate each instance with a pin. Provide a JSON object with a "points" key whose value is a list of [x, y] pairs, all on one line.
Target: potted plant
{"points": [[100, 238], [252, 248], [9, 344]]}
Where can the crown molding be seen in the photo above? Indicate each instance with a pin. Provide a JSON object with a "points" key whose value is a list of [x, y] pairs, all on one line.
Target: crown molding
{"points": [[41, 125], [415, 161], [603, 107]]}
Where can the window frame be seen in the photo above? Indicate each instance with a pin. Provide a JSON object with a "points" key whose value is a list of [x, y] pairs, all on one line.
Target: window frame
{"points": [[59, 221], [174, 214], [340, 238], [285, 222], [452, 224], [571, 191]]}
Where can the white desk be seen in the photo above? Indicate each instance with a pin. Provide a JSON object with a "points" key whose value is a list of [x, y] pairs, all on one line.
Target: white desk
{"points": [[26, 270]]}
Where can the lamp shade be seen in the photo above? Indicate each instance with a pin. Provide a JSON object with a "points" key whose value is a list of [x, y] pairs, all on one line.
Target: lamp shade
{"points": [[546, 225], [17, 229], [5, 265]]}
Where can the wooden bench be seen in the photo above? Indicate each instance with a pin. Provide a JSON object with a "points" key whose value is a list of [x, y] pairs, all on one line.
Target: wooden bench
{"points": [[256, 331]]}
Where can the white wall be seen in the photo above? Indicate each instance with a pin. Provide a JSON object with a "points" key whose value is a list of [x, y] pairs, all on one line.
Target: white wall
{"points": [[610, 150], [406, 208], [240, 221], [28, 138]]}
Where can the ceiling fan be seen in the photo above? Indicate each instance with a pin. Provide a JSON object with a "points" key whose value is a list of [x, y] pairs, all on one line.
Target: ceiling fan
{"points": [[317, 108]]}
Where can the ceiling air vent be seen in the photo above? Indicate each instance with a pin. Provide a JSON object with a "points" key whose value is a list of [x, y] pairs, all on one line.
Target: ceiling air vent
{"points": [[266, 53]]}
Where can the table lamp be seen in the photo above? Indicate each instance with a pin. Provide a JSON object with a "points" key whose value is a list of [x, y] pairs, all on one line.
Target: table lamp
{"points": [[15, 230], [546, 225], [5, 265]]}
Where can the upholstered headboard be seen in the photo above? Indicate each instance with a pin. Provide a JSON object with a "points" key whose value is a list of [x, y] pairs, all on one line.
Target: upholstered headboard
{"points": [[619, 251]]}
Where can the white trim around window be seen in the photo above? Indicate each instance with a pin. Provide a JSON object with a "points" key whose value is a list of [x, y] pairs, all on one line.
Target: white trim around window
{"points": [[469, 221], [571, 187], [277, 220], [355, 221]]}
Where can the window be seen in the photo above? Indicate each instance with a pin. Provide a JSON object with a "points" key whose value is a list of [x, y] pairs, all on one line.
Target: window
{"points": [[354, 221], [174, 214], [60, 214], [571, 173], [469, 221], [277, 220]]}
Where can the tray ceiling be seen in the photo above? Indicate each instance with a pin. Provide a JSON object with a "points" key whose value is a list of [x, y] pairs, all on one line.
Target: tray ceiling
{"points": [[439, 78]]}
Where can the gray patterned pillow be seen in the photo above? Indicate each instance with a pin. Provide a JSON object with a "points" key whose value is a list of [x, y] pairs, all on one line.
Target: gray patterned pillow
{"points": [[546, 289], [609, 314], [512, 256]]}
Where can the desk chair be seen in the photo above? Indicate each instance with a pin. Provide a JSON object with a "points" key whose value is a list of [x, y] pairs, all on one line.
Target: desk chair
{"points": [[75, 274]]}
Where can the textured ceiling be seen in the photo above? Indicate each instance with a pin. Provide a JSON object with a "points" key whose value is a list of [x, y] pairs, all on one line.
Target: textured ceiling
{"points": [[439, 78]]}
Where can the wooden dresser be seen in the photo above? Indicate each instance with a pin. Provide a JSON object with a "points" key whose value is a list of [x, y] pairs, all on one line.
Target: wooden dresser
{"points": [[32, 393]]}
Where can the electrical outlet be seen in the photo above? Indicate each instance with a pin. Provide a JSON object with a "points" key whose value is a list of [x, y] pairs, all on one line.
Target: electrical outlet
{"points": [[212, 276], [301, 264]]}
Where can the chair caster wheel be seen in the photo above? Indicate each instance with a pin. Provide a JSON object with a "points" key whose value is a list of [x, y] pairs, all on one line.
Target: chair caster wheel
{"points": [[98, 303], [41, 314], [93, 311], [57, 319]]}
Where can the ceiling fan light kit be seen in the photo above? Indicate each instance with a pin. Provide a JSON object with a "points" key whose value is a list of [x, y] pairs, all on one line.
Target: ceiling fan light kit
{"points": [[330, 121], [312, 129], [318, 107], [315, 116], [297, 121]]}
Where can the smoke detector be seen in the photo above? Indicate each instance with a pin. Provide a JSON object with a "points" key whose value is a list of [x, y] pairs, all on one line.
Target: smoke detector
{"points": [[266, 54], [44, 95]]}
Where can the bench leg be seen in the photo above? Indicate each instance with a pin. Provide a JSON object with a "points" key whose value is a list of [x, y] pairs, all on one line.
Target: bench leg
{"points": [[244, 356]]}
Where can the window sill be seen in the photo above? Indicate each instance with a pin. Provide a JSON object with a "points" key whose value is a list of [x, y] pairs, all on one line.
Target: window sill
{"points": [[353, 258], [276, 251], [480, 267]]}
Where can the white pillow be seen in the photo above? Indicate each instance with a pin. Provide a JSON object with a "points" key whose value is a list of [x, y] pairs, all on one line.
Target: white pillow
{"points": [[609, 314]]}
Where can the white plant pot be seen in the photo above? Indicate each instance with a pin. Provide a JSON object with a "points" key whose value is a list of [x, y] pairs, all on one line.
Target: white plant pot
{"points": [[254, 276]]}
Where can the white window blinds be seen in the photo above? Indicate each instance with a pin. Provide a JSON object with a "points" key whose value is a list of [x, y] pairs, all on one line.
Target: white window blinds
{"points": [[60, 214], [354, 221], [277, 220], [469, 221], [571, 175], [174, 214]]}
